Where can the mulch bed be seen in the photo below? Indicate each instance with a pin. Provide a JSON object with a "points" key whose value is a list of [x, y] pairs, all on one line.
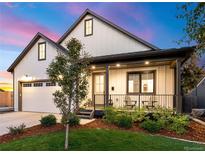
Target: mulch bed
{"points": [[195, 132], [35, 130]]}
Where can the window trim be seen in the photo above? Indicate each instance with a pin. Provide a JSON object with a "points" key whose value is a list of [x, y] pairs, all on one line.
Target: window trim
{"points": [[39, 51], [85, 27], [140, 81]]}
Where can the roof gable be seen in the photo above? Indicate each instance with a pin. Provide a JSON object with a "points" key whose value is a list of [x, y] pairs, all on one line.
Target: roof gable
{"points": [[30, 45], [87, 11]]}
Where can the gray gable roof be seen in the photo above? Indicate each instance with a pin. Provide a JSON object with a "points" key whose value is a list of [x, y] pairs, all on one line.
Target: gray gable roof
{"points": [[87, 11], [30, 45]]}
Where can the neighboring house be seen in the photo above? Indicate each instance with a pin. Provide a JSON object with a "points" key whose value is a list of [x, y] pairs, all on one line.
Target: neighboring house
{"points": [[126, 70]]}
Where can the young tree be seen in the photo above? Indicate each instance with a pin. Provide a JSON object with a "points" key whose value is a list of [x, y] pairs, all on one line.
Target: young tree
{"points": [[70, 71]]}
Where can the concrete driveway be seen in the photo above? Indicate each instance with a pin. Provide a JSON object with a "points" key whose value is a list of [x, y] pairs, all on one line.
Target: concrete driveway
{"points": [[28, 118]]}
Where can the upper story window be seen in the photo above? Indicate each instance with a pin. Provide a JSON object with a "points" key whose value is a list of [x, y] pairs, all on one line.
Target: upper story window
{"points": [[88, 27], [42, 51], [141, 82]]}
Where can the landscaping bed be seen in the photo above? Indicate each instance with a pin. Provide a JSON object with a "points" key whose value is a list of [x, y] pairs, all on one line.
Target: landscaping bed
{"points": [[35, 130], [195, 131]]}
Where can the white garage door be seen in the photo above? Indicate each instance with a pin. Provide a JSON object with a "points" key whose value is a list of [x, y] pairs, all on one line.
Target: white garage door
{"points": [[37, 97]]}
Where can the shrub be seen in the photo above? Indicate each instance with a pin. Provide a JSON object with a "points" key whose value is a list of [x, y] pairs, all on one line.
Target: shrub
{"points": [[17, 130], [124, 121], [72, 118], [151, 125], [48, 120], [179, 123], [110, 115], [139, 115]]}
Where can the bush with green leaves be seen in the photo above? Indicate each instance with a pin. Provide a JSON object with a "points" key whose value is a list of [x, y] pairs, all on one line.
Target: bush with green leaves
{"points": [[179, 123], [72, 119], [151, 125], [17, 130], [139, 115], [124, 120], [110, 114], [48, 120]]}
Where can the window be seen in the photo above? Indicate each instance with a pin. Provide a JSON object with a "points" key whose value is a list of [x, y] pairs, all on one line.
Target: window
{"points": [[88, 27], [140, 82], [38, 84], [27, 85], [42, 51], [134, 83], [99, 84], [48, 84], [147, 83]]}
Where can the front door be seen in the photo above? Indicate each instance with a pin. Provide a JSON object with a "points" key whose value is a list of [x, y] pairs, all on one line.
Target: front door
{"points": [[99, 88]]}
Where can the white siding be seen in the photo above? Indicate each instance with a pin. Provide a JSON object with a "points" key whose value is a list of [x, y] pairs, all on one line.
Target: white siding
{"points": [[105, 39], [30, 65]]}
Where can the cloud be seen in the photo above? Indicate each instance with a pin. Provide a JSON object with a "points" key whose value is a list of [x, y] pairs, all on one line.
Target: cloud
{"points": [[5, 75], [24, 29], [11, 5]]}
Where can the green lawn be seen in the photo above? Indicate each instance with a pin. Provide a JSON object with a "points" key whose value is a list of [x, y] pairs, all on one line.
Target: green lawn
{"points": [[100, 139]]}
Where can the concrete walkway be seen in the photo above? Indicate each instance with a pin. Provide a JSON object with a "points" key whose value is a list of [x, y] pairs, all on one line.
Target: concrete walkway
{"points": [[28, 118]]}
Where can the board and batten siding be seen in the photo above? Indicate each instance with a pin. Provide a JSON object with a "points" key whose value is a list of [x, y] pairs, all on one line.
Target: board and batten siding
{"points": [[105, 40], [118, 80], [31, 66]]}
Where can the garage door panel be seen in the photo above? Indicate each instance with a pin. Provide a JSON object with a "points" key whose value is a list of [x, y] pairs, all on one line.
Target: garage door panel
{"points": [[39, 99]]}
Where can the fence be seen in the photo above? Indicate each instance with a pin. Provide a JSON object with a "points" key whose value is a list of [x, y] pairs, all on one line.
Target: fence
{"points": [[189, 102], [6, 99]]}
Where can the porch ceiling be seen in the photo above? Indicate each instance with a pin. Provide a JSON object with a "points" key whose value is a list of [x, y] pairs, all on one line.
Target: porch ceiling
{"points": [[133, 64], [159, 55]]}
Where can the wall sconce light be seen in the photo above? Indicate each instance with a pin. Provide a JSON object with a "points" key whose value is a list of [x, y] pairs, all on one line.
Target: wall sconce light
{"points": [[26, 78]]}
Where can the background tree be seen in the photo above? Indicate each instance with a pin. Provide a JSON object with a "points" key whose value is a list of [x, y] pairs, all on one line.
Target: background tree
{"points": [[191, 75], [194, 16], [70, 71]]}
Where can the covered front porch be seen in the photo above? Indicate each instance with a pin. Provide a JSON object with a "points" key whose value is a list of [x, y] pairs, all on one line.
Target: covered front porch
{"points": [[136, 80]]}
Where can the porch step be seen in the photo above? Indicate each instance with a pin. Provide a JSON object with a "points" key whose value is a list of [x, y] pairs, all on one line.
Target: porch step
{"points": [[86, 114]]}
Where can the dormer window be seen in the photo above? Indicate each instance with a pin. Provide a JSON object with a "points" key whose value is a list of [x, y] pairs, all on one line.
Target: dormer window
{"points": [[88, 27], [42, 51]]}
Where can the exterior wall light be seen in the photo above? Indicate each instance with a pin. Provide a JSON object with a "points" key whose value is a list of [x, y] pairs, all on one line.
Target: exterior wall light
{"points": [[26, 78], [93, 67]]}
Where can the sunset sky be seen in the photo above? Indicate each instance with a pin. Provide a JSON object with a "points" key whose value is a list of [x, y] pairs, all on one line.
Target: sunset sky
{"points": [[19, 22]]}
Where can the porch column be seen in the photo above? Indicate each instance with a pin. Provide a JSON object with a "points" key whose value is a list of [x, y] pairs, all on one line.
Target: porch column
{"points": [[178, 87], [106, 84]]}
